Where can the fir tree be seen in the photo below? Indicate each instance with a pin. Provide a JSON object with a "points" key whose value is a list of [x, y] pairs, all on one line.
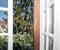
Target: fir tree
{"points": [[23, 22]]}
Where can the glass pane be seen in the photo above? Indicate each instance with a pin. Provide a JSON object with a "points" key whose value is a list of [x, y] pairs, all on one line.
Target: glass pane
{"points": [[23, 24], [45, 42], [51, 26], [45, 23], [52, 0], [3, 22], [4, 3], [3, 43], [50, 44]]}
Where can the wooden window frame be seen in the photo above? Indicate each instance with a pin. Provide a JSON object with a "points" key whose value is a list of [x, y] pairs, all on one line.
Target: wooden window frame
{"points": [[36, 24]]}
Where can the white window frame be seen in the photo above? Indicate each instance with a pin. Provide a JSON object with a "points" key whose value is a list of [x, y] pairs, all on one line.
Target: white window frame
{"points": [[10, 24], [56, 35], [57, 24]]}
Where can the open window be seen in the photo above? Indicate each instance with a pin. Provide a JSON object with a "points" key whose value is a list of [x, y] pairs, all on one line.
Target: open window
{"points": [[49, 25], [6, 29], [18, 20]]}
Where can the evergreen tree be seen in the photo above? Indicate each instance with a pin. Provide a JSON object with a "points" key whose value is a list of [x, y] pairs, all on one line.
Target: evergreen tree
{"points": [[23, 22]]}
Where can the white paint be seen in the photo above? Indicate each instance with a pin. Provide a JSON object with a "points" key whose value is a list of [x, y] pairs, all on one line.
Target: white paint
{"points": [[49, 3], [57, 29], [42, 23], [4, 9], [10, 24], [4, 34], [49, 35]]}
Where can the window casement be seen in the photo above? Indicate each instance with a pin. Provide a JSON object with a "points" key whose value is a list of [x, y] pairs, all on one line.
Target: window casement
{"points": [[50, 25], [47, 25], [6, 11]]}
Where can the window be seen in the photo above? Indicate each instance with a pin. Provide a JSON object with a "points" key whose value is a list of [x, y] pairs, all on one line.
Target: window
{"points": [[13, 34], [6, 36], [18, 30], [47, 25], [50, 20], [51, 27], [50, 43], [4, 3], [3, 21], [23, 24], [3, 43]]}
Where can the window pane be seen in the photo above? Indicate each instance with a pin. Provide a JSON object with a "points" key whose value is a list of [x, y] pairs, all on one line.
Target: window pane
{"points": [[50, 43], [45, 42], [52, 0], [3, 22], [45, 23], [3, 43], [51, 25], [23, 24], [4, 3]]}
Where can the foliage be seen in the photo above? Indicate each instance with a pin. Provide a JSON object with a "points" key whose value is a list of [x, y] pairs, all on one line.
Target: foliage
{"points": [[3, 43], [23, 22]]}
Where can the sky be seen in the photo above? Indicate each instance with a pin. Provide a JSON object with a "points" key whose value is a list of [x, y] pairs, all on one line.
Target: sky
{"points": [[3, 3], [2, 15]]}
